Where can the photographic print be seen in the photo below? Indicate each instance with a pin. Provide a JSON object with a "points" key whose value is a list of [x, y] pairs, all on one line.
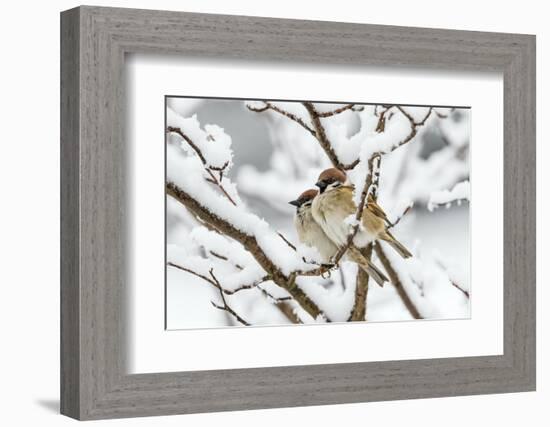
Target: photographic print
{"points": [[302, 212]]}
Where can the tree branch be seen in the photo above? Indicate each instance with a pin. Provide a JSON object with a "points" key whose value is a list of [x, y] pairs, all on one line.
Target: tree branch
{"points": [[293, 117], [337, 111], [414, 129], [281, 303], [359, 310], [288, 312], [249, 242], [394, 277], [321, 136]]}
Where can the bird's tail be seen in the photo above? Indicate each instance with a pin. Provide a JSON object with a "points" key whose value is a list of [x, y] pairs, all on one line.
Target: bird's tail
{"points": [[397, 245], [357, 257]]}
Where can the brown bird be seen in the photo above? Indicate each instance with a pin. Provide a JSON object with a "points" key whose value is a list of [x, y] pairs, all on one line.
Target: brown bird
{"points": [[334, 205], [311, 234]]}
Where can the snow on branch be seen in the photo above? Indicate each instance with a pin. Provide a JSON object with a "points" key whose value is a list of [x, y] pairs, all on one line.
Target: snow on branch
{"points": [[261, 258], [397, 130], [375, 151], [251, 242], [460, 192], [345, 153], [336, 111], [212, 145], [225, 306], [213, 179], [321, 136], [185, 177], [383, 130]]}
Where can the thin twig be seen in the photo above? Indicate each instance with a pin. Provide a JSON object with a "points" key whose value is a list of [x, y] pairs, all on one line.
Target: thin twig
{"points": [[411, 118], [187, 270], [381, 125], [225, 306], [287, 241], [293, 117], [460, 288], [219, 184], [270, 296], [405, 212], [189, 141], [454, 283], [283, 305], [207, 167], [225, 291], [224, 258], [342, 279], [335, 112], [245, 287], [374, 168], [322, 268]]}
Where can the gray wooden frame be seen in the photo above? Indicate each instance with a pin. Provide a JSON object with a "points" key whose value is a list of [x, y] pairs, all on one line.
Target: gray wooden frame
{"points": [[94, 41]]}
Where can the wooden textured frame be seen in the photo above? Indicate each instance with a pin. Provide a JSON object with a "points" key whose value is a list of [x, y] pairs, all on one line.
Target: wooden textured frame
{"points": [[94, 41]]}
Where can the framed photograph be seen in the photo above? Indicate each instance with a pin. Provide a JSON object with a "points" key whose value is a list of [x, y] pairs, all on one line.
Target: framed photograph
{"points": [[262, 213]]}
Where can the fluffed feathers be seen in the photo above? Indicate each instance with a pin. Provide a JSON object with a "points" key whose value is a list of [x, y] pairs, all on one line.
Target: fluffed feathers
{"points": [[309, 232]]}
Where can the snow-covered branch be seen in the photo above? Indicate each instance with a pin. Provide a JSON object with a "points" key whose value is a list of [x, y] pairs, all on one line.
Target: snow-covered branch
{"points": [[255, 262], [321, 136], [336, 111], [211, 146], [286, 280], [460, 192], [225, 306]]}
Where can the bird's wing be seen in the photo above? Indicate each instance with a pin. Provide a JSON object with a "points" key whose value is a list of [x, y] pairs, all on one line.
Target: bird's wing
{"points": [[377, 210]]}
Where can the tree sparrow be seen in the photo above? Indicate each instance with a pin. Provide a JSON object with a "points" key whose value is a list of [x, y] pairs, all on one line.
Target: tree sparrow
{"points": [[335, 204], [311, 234]]}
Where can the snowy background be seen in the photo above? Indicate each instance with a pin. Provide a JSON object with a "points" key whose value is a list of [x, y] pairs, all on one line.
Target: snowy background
{"points": [[266, 160]]}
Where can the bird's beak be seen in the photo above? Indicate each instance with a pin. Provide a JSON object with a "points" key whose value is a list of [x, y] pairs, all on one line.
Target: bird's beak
{"points": [[294, 203], [322, 185]]}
